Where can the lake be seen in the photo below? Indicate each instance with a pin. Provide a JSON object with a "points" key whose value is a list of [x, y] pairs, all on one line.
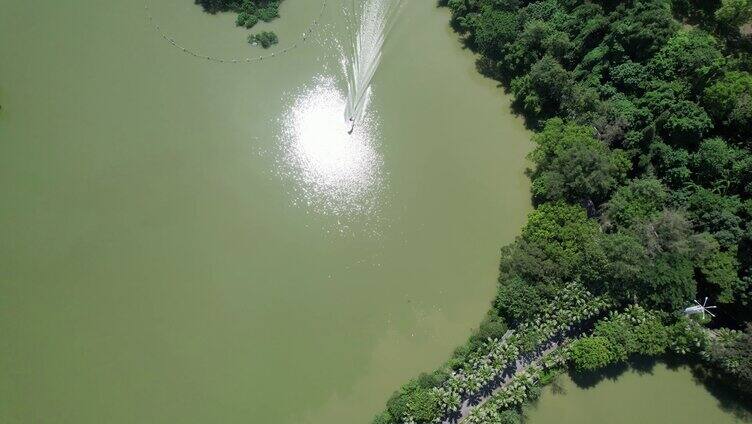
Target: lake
{"points": [[191, 241]]}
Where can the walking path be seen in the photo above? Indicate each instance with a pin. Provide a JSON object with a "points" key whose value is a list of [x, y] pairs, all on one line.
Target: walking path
{"points": [[521, 364]]}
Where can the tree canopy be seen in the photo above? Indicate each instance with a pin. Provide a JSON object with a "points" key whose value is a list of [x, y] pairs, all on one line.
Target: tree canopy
{"points": [[642, 160]]}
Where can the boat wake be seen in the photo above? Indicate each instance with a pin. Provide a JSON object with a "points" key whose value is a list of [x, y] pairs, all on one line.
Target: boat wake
{"points": [[368, 25]]}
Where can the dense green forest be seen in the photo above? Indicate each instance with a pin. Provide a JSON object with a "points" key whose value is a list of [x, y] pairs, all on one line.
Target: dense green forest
{"points": [[642, 182]]}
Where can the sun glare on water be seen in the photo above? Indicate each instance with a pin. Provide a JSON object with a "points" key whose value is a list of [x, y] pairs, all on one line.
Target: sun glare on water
{"points": [[336, 172]]}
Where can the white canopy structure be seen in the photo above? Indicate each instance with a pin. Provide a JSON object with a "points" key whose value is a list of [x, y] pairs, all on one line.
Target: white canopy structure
{"points": [[700, 309]]}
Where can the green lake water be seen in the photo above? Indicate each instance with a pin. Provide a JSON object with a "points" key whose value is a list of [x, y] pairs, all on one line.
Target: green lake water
{"points": [[653, 394], [185, 241]]}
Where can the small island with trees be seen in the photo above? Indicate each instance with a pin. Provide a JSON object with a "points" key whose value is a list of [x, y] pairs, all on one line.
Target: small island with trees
{"points": [[264, 39], [642, 187], [250, 12]]}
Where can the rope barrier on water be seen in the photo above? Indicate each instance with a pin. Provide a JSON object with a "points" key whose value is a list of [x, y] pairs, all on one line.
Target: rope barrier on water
{"points": [[302, 39]]}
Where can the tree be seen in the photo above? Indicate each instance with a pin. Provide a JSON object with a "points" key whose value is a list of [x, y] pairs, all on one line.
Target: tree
{"points": [[692, 56], [651, 336], [621, 123], [414, 399], [743, 170], [732, 353], [247, 20], [423, 406], [510, 416], [573, 165], [526, 50], [459, 8], [717, 215], [729, 101], [668, 278], [641, 199], [635, 330], [630, 77], [734, 13], [623, 274], [642, 27], [517, 301], [719, 270], [214, 6], [541, 91], [587, 26], [669, 282], [684, 123], [669, 231], [662, 94], [590, 353], [249, 11], [558, 244], [493, 29], [718, 166], [384, 418], [671, 164], [580, 173], [265, 39], [558, 136], [697, 10], [539, 11]]}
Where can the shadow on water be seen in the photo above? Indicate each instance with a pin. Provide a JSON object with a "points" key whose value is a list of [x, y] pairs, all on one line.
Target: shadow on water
{"points": [[490, 68], [557, 388], [729, 398], [589, 380]]}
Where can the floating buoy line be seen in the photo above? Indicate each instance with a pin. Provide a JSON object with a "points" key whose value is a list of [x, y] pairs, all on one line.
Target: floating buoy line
{"points": [[302, 39]]}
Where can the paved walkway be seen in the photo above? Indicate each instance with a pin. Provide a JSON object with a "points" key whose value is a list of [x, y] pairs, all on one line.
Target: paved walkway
{"points": [[521, 364]]}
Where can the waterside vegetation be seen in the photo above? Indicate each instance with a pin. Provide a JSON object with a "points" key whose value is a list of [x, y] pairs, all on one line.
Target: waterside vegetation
{"points": [[642, 183], [250, 12], [264, 39]]}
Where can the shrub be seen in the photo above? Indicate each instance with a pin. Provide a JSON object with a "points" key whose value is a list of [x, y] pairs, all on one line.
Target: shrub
{"points": [[265, 39], [241, 19], [510, 416], [251, 21]]}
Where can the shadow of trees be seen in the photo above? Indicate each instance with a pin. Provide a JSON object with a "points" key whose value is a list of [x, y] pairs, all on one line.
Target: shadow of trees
{"points": [[729, 399]]}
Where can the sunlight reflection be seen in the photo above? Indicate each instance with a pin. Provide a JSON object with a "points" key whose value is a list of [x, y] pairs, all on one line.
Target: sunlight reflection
{"points": [[337, 173]]}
